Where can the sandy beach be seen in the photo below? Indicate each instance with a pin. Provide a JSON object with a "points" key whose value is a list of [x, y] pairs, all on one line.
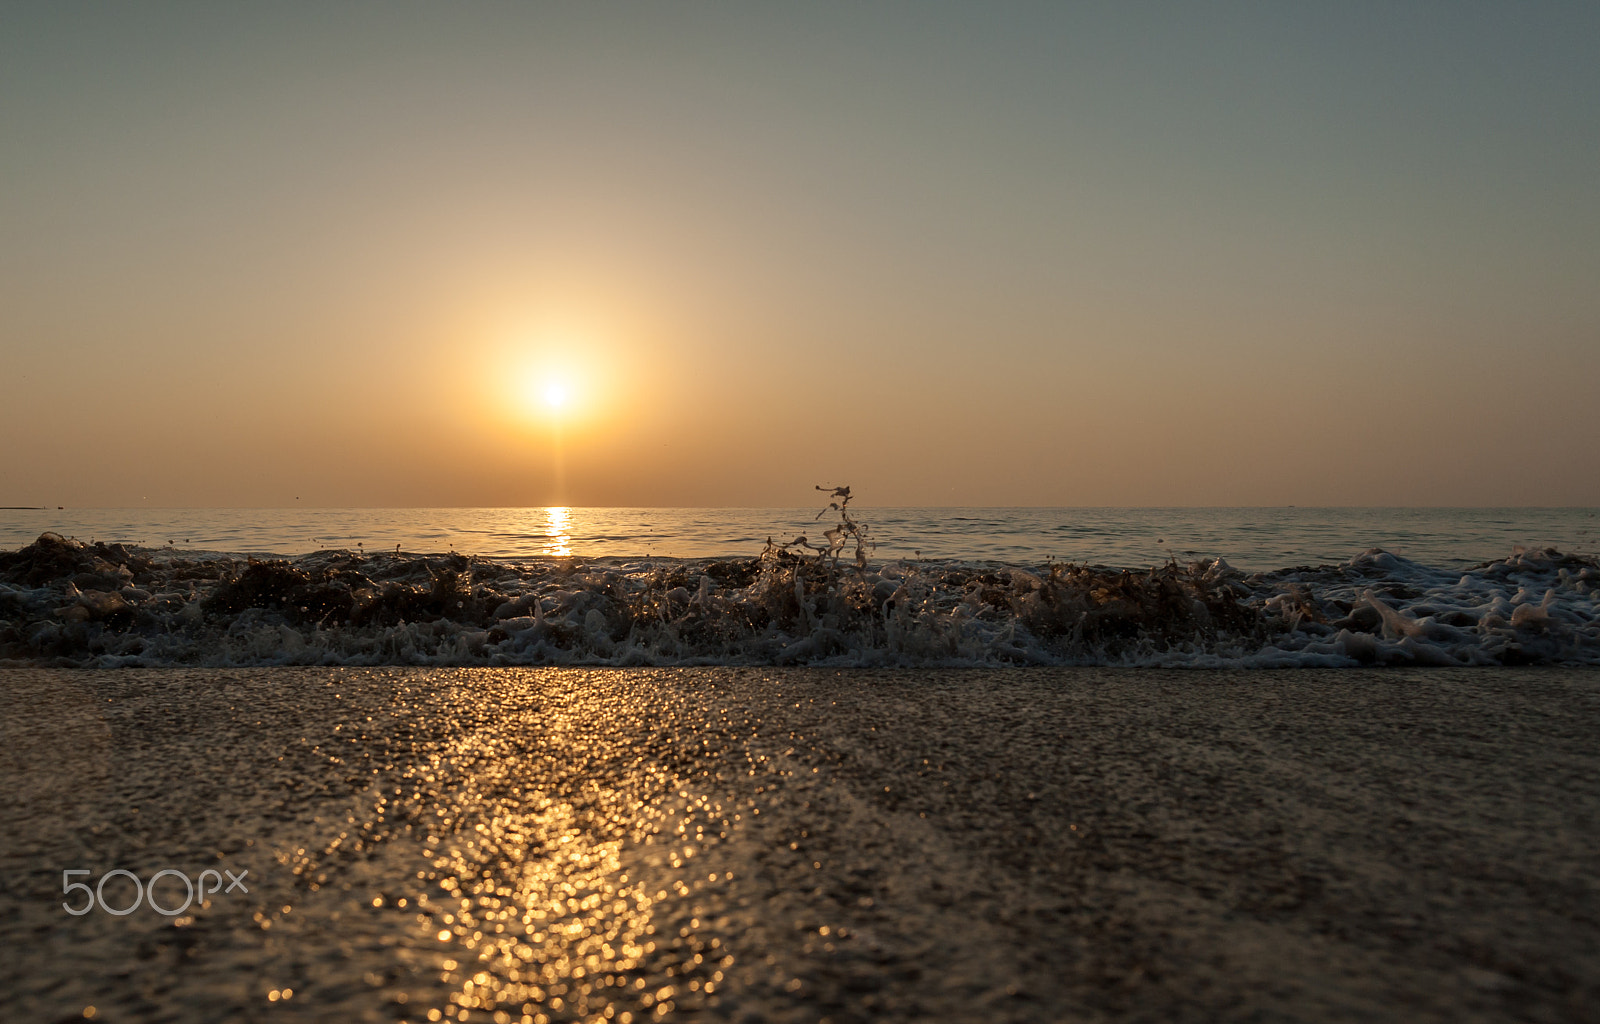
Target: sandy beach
{"points": [[803, 844]]}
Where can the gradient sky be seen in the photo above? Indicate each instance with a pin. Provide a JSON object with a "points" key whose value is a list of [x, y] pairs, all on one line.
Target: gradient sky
{"points": [[979, 254]]}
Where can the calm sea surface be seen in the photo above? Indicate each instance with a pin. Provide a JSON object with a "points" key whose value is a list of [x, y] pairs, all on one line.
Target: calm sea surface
{"points": [[1250, 538]]}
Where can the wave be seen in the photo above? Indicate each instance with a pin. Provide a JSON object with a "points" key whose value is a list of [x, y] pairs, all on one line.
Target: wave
{"points": [[67, 603]]}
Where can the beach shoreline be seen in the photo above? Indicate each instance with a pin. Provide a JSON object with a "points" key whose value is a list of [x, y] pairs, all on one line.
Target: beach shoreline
{"points": [[66, 604]]}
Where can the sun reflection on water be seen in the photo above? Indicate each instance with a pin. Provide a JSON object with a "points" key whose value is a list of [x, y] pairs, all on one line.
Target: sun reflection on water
{"points": [[558, 530]]}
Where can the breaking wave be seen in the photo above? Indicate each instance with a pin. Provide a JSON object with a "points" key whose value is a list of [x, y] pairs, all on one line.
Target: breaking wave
{"points": [[67, 603]]}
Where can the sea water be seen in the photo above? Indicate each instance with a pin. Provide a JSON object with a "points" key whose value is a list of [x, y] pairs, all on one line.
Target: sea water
{"points": [[1249, 538]]}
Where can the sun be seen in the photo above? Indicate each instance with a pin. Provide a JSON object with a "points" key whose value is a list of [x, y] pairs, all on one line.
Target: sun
{"points": [[551, 380], [550, 394]]}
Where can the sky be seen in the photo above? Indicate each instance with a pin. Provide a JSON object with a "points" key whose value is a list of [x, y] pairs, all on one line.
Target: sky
{"points": [[948, 254]]}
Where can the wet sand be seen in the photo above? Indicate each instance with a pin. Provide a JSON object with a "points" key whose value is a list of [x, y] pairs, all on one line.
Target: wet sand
{"points": [[805, 845]]}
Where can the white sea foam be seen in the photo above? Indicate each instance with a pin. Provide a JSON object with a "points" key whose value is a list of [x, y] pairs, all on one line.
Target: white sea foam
{"points": [[63, 602]]}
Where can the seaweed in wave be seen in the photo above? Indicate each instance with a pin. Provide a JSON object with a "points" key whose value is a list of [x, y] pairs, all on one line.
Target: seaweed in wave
{"points": [[64, 602]]}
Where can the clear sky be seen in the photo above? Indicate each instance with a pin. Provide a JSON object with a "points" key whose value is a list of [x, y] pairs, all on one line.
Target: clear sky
{"points": [[976, 254]]}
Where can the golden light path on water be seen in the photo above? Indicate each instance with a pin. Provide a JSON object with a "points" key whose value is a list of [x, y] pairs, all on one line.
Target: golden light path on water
{"points": [[558, 531]]}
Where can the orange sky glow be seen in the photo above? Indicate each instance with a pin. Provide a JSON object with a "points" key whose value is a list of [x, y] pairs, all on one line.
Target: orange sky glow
{"points": [[1033, 257]]}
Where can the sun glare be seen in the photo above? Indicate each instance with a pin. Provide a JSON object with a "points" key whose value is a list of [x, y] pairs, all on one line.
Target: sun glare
{"points": [[550, 395], [556, 394], [551, 379]]}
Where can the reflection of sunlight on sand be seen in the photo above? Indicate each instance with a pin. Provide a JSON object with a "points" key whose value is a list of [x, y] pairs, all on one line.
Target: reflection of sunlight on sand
{"points": [[553, 923], [557, 531], [542, 919], [539, 864]]}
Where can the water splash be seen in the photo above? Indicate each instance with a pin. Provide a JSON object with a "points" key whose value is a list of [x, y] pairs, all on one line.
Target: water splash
{"points": [[64, 602]]}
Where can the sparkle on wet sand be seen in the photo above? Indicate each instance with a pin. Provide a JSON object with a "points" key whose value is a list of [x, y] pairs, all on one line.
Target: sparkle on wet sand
{"points": [[543, 845]]}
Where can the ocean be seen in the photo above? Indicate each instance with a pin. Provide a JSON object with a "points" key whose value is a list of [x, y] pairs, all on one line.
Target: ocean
{"points": [[1239, 587], [1257, 539]]}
